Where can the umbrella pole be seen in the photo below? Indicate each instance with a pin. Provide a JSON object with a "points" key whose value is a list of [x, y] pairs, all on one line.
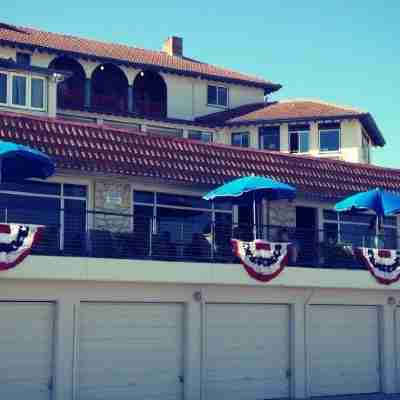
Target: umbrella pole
{"points": [[254, 217], [377, 232]]}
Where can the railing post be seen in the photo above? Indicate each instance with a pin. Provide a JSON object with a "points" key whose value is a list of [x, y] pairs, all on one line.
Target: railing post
{"points": [[6, 215], [213, 238]]}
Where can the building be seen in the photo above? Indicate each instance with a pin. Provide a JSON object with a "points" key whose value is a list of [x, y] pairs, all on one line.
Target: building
{"points": [[133, 290]]}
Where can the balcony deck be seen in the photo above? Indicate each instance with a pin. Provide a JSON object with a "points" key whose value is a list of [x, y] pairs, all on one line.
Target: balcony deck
{"points": [[110, 235]]}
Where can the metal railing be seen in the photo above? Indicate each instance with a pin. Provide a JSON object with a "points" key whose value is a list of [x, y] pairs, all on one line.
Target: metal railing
{"points": [[127, 236]]}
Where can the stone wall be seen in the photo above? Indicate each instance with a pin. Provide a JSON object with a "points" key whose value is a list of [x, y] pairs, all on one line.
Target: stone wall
{"points": [[112, 197], [282, 213]]}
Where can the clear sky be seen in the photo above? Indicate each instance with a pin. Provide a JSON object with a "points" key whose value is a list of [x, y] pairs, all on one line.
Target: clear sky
{"points": [[341, 51]]}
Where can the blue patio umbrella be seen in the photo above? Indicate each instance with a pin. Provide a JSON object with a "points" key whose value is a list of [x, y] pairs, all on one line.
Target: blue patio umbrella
{"points": [[267, 188], [18, 162], [381, 202]]}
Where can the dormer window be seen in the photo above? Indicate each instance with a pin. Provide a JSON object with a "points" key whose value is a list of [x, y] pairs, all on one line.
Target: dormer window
{"points": [[22, 91], [217, 96]]}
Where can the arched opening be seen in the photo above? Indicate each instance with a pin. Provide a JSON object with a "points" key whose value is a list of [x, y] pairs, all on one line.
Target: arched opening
{"points": [[71, 92], [150, 94], [109, 90]]}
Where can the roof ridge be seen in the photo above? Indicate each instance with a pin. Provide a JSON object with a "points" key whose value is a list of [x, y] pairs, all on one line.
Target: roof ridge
{"points": [[319, 101]]}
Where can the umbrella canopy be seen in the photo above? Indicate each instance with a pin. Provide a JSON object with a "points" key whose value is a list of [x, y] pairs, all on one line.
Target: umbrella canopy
{"points": [[268, 188], [18, 162], [377, 200]]}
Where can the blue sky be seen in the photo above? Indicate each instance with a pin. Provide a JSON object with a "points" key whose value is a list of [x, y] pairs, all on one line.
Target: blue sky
{"points": [[345, 52]]}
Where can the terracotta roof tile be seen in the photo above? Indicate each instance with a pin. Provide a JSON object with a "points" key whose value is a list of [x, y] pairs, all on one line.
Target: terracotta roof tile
{"points": [[93, 148], [286, 111], [10, 34]]}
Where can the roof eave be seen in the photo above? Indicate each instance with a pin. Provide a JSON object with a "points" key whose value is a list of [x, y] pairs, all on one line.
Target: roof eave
{"points": [[269, 87], [373, 130]]}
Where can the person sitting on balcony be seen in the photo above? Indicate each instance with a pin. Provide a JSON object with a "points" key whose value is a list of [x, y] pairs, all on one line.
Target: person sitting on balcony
{"points": [[284, 237]]}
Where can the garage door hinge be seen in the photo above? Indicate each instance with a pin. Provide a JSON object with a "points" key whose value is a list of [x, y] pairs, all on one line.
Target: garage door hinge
{"points": [[181, 379]]}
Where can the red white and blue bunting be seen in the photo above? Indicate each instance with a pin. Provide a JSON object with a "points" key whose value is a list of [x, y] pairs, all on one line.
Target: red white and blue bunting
{"points": [[384, 265], [16, 242], [262, 260]]}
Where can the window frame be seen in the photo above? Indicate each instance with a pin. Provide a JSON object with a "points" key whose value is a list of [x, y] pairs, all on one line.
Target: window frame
{"points": [[7, 88], [201, 133], [23, 54], [247, 133], [277, 134], [324, 130], [218, 104], [28, 86]]}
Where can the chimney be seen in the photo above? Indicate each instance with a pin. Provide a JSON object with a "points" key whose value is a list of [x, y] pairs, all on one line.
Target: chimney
{"points": [[173, 46]]}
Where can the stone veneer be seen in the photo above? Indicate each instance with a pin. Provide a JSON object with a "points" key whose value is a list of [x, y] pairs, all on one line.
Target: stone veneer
{"points": [[282, 213], [112, 197]]}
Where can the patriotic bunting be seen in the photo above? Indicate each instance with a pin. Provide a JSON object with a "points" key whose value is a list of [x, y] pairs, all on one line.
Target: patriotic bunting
{"points": [[262, 260], [384, 265], [16, 242]]}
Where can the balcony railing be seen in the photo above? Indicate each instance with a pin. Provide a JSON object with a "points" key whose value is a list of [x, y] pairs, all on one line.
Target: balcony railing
{"points": [[122, 236]]}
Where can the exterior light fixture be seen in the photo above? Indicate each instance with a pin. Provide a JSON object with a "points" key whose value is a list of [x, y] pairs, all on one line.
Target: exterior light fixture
{"points": [[101, 67], [391, 301], [141, 73]]}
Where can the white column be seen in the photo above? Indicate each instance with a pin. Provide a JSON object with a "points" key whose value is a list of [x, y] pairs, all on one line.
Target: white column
{"points": [[299, 359], [284, 137], [388, 349], [193, 350], [52, 98], [64, 350]]}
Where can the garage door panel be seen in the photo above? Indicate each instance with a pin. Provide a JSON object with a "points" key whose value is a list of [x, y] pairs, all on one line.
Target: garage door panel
{"points": [[130, 350], [26, 350], [344, 350], [247, 351]]}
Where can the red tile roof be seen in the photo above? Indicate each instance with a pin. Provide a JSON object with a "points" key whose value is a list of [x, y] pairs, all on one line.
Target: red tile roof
{"points": [[90, 148], [295, 110], [54, 42]]}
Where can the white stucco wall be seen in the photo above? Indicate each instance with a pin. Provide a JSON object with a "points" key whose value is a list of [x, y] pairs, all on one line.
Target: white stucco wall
{"points": [[69, 281]]}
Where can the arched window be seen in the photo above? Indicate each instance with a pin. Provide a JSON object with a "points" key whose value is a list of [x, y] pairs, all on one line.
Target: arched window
{"points": [[109, 88], [150, 94], [71, 92]]}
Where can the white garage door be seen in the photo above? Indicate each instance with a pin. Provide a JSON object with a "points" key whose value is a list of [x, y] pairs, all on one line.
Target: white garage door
{"points": [[26, 344], [247, 351], [344, 350], [397, 328], [130, 351]]}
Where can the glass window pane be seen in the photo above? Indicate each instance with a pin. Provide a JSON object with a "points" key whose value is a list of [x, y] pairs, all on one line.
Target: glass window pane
{"points": [[205, 137], [75, 190], [270, 138], [212, 95], [23, 58], [222, 96], [392, 221], [241, 139], [304, 142], [32, 187], [37, 93], [74, 226], [19, 90], [294, 142], [143, 197], [329, 140], [182, 201], [223, 205], [3, 88]]}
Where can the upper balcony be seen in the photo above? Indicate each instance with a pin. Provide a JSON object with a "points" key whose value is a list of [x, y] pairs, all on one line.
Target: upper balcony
{"points": [[179, 236], [109, 91]]}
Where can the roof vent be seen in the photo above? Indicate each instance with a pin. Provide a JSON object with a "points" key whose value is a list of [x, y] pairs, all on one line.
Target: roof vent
{"points": [[173, 46]]}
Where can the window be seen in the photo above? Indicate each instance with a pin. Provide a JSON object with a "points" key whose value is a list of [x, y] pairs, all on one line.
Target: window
{"points": [[217, 96], [359, 229], [329, 137], [60, 207], [365, 148], [299, 139], [163, 130], [241, 139], [206, 137], [3, 88], [19, 84], [23, 58], [37, 93], [181, 225], [25, 91], [270, 138]]}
